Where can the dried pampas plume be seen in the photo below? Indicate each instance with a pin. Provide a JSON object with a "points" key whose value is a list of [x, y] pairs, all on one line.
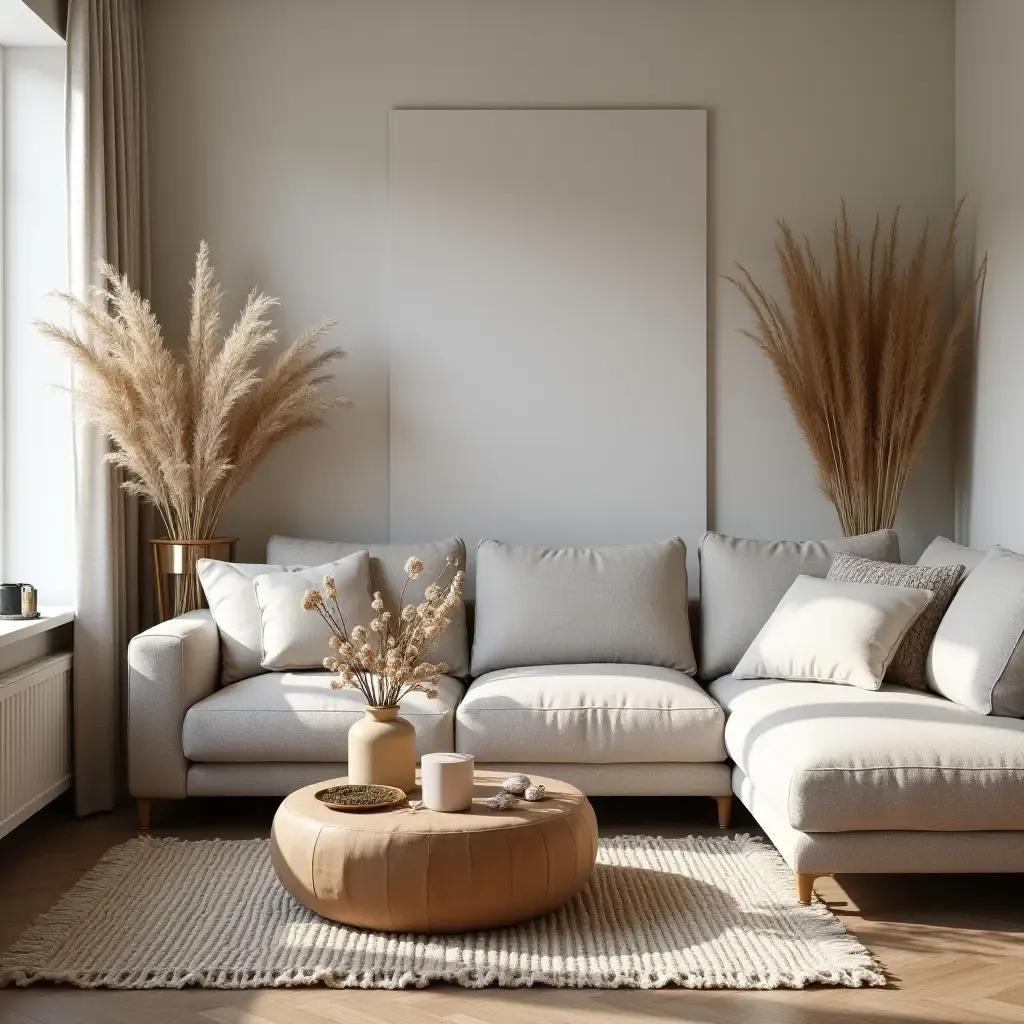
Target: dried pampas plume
{"points": [[189, 431], [863, 357]]}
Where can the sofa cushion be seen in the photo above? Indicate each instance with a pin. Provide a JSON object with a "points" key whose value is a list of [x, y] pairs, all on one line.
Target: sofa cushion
{"points": [[945, 552], [296, 639], [977, 657], [835, 758], [589, 714], [296, 716], [387, 574], [742, 581], [623, 605], [909, 661], [833, 631]]}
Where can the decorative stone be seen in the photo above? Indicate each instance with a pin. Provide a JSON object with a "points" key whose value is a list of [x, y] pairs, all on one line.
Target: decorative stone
{"points": [[535, 793], [501, 801], [516, 784]]}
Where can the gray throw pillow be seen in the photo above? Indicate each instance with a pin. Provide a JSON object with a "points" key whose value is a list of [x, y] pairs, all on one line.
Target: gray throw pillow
{"points": [[977, 657], [909, 663], [387, 574], [742, 582], [623, 605]]}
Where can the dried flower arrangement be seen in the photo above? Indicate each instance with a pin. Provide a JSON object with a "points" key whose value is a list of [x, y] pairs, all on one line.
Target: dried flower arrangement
{"points": [[189, 432], [386, 674], [863, 359]]}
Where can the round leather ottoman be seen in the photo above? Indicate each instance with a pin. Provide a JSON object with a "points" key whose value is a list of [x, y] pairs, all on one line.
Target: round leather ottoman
{"points": [[426, 871]]}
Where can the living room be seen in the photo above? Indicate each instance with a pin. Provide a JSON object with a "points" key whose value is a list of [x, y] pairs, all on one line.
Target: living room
{"points": [[568, 564]]}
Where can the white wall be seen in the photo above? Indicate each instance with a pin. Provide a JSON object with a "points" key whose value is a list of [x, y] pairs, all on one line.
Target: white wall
{"points": [[268, 129], [38, 471], [990, 168], [548, 278]]}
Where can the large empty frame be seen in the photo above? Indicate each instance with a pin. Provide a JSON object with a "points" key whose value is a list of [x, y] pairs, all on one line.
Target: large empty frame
{"points": [[548, 325]]}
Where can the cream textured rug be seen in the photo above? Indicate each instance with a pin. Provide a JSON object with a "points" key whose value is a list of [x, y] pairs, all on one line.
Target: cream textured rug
{"points": [[702, 913]]}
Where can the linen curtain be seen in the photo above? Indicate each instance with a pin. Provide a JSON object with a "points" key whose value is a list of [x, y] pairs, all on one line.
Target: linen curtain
{"points": [[107, 220]]}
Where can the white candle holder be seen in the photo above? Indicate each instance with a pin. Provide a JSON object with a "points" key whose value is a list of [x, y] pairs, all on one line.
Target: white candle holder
{"points": [[446, 781]]}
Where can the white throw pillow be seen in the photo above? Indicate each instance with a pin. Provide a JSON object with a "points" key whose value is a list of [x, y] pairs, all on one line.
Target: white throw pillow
{"points": [[977, 656], [295, 639], [232, 600], [231, 595], [833, 631]]}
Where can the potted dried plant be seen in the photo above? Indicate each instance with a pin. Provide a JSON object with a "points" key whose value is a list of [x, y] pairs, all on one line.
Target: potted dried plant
{"points": [[385, 662], [863, 357], [188, 430]]}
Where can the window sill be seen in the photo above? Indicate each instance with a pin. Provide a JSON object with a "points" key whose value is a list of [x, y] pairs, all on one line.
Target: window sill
{"points": [[13, 630]]}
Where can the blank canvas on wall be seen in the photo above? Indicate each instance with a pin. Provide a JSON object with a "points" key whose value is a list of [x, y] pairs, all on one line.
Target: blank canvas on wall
{"points": [[548, 320]]}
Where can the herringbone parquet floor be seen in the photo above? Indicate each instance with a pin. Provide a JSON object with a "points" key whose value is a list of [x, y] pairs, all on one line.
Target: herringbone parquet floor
{"points": [[953, 945]]}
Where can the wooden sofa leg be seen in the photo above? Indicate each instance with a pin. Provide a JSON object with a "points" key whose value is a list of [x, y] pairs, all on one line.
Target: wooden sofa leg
{"points": [[143, 808], [804, 886], [724, 810]]}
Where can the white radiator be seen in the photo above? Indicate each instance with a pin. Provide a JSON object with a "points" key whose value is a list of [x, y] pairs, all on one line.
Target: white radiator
{"points": [[35, 737]]}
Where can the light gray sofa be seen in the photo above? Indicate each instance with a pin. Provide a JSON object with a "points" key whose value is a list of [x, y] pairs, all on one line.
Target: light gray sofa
{"points": [[564, 684], [849, 780]]}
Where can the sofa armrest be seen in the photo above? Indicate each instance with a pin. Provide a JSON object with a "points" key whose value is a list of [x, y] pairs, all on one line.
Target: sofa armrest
{"points": [[170, 667]]}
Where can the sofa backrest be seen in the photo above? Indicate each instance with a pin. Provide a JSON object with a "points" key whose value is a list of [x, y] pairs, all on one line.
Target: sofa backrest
{"points": [[541, 606], [742, 582], [387, 574]]}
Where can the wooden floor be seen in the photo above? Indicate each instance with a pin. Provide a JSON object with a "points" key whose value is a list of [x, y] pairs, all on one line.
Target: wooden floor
{"points": [[954, 946]]}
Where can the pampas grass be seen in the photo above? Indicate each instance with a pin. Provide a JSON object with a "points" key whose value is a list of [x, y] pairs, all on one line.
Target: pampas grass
{"points": [[863, 357], [189, 431]]}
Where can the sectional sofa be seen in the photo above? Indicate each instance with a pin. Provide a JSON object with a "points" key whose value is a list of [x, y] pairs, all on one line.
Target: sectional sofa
{"points": [[580, 665]]}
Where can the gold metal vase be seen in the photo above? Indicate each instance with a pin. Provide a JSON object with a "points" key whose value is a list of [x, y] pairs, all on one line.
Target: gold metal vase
{"points": [[174, 572]]}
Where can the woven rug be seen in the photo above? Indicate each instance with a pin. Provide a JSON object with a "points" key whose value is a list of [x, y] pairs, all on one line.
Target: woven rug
{"points": [[695, 912]]}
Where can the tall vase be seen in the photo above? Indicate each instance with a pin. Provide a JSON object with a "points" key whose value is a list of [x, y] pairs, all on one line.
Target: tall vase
{"points": [[382, 750], [174, 572]]}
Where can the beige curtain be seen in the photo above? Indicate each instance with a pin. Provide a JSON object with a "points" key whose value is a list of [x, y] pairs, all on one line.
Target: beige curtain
{"points": [[108, 220]]}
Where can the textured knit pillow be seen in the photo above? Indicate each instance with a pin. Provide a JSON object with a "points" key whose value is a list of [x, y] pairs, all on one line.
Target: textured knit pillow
{"points": [[909, 664]]}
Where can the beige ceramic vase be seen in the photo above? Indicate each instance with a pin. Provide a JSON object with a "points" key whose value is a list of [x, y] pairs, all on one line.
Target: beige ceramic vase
{"points": [[382, 750]]}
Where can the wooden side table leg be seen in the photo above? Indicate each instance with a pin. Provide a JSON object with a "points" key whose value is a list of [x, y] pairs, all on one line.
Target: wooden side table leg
{"points": [[724, 810], [804, 886], [143, 808]]}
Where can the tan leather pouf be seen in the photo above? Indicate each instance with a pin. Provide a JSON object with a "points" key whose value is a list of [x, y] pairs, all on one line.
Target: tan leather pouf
{"points": [[425, 871]]}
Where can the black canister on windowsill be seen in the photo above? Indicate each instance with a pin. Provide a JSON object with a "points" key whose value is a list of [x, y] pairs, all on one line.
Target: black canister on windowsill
{"points": [[10, 599]]}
